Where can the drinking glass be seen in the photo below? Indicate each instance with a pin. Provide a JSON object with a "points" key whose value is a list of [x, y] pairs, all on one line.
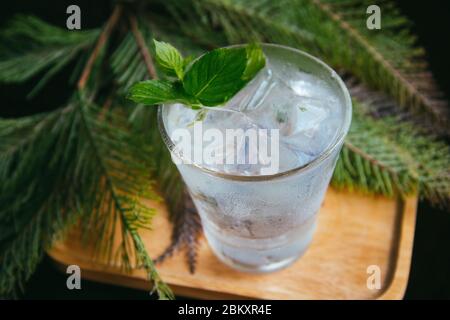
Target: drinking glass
{"points": [[263, 223]]}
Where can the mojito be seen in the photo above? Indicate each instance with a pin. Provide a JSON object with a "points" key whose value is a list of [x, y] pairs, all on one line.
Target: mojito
{"points": [[259, 205]]}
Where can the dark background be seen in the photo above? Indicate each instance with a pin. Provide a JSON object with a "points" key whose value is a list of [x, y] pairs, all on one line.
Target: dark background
{"points": [[430, 270]]}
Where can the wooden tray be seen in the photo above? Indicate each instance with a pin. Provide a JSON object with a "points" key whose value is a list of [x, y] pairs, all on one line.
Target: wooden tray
{"points": [[354, 231]]}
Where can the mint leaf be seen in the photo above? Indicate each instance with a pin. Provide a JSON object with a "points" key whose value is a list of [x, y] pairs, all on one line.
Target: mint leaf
{"points": [[216, 76], [169, 59], [158, 91], [255, 61]]}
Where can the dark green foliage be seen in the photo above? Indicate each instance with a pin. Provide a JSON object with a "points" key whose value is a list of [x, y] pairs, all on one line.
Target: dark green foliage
{"points": [[183, 215], [29, 46], [389, 156], [36, 174], [120, 166], [78, 162], [75, 162]]}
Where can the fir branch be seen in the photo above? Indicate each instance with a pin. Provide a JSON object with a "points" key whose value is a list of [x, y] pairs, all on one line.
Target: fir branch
{"points": [[35, 163], [127, 61], [400, 66], [388, 157], [122, 192], [127, 65], [72, 165], [187, 227], [379, 105], [96, 170], [30, 46], [163, 290], [122, 167]]}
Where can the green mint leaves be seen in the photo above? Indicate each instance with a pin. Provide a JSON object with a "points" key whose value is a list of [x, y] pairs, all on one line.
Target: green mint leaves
{"points": [[210, 80], [169, 59]]}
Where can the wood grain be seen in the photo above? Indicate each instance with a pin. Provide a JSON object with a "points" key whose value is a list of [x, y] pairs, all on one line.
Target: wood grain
{"points": [[354, 232]]}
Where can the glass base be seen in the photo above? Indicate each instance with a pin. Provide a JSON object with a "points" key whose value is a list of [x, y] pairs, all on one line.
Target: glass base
{"points": [[260, 255], [266, 268]]}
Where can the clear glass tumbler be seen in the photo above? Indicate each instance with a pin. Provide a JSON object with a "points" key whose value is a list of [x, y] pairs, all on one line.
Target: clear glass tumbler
{"points": [[264, 223]]}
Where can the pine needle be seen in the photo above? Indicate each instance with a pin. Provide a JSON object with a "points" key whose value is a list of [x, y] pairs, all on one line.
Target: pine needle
{"points": [[30, 46]]}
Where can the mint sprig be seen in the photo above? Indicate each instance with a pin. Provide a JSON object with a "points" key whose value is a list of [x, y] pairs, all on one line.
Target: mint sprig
{"points": [[211, 80]]}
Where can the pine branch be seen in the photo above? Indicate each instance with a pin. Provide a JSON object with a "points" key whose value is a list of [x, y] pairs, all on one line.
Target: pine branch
{"points": [[187, 227], [164, 292], [122, 166], [72, 165], [128, 63], [388, 157], [30, 46], [76, 162], [35, 163], [379, 105], [408, 79], [122, 192]]}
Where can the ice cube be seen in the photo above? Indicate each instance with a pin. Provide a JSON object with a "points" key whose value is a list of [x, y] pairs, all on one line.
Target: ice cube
{"points": [[302, 83], [308, 119], [180, 117], [314, 130], [300, 112], [291, 158], [278, 110], [254, 93]]}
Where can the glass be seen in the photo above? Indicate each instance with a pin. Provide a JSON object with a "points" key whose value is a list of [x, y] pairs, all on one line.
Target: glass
{"points": [[266, 222]]}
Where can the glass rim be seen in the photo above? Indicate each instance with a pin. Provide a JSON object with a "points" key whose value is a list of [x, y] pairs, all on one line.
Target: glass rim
{"points": [[326, 153]]}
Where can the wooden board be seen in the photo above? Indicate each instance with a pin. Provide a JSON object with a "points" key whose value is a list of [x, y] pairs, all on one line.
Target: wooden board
{"points": [[354, 232]]}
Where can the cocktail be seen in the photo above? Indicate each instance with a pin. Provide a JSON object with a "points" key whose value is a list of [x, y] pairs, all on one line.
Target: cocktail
{"points": [[259, 193]]}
